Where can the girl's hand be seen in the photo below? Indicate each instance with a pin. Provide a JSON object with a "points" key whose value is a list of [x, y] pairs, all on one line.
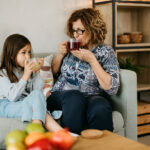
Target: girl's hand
{"points": [[40, 61], [63, 48], [27, 70], [84, 55]]}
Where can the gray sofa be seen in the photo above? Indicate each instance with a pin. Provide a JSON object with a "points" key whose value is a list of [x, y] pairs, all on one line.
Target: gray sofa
{"points": [[124, 114]]}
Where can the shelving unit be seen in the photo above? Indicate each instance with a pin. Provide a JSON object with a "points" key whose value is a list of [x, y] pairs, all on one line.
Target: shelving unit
{"points": [[122, 16]]}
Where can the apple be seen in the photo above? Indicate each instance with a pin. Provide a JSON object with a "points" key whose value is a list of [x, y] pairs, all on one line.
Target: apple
{"points": [[16, 146], [15, 136], [43, 144], [61, 139], [34, 127]]}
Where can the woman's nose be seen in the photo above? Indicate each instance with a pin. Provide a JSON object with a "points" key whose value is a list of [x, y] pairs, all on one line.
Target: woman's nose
{"points": [[76, 35]]}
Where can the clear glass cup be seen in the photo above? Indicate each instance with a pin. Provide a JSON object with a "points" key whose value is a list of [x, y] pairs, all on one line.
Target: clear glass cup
{"points": [[73, 44], [35, 66]]}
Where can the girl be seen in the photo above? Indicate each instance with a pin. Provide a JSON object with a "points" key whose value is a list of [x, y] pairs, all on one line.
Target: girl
{"points": [[21, 88]]}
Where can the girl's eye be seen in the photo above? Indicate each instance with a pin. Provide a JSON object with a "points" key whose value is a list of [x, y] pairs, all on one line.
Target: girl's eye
{"points": [[23, 52]]}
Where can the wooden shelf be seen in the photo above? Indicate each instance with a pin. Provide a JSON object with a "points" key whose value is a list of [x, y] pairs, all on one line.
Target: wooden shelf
{"points": [[143, 87], [132, 50], [143, 118], [143, 107], [144, 129], [133, 45], [133, 4], [127, 17]]}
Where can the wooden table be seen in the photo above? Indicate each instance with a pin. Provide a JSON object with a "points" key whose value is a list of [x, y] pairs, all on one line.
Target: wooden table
{"points": [[109, 141]]}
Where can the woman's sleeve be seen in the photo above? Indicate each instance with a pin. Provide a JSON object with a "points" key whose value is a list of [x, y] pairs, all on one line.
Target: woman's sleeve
{"points": [[111, 66], [11, 91]]}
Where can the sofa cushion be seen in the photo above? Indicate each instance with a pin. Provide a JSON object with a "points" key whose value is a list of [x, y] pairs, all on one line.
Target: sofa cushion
{"points": [[117, 121]]}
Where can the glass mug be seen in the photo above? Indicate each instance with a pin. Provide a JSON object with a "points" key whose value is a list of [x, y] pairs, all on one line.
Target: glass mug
{"points": [[73, 44], [35, 66]]}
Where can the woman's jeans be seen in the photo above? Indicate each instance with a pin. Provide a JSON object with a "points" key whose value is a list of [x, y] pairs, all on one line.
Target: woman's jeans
{"points": [[79, 110], [31, 107]]}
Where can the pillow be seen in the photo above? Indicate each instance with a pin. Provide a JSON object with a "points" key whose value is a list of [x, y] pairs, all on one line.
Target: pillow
{"points": [[47, 76]]}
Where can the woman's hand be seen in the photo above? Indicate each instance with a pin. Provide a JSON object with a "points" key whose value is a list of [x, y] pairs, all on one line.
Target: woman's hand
{"points": [[63, 48], [27, 70], [84, 55]]}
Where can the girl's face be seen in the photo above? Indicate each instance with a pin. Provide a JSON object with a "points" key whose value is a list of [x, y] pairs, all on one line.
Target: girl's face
{"points": [[80, 33], [23, 54]]}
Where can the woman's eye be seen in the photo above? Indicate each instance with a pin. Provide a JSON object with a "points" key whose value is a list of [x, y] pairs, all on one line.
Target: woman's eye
{"points": [[23, 52]]}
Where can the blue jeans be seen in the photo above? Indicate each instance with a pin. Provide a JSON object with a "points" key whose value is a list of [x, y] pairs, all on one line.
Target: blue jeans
{"points": [[79, 110], [31, 107]]}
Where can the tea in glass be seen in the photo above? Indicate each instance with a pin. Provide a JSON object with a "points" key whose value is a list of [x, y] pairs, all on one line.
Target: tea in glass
{"points": [[73, 44]]}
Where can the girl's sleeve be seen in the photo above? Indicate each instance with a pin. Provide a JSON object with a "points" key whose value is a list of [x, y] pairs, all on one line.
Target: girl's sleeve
{"points": [[111, 66], [11, 91]]}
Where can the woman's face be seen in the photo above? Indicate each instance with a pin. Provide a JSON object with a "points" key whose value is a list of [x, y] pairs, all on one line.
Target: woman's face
{"points": [[23, 54], [80, 33]]}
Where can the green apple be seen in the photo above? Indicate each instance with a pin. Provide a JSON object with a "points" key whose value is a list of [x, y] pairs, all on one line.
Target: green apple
{"points": [[34, 127], [16, 146], [15, 136]]}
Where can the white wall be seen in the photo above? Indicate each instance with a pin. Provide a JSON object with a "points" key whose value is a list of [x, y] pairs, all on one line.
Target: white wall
{"points": [[42, 21]]}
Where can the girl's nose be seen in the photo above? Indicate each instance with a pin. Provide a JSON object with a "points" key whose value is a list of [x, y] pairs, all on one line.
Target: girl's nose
{"points": [[27, 56]]}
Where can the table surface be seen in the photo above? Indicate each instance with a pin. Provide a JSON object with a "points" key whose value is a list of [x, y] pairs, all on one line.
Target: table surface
{"points": [[108, 141]]}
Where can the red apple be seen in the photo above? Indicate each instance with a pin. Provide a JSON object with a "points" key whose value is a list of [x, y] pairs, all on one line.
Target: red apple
{"points": [[43, 144], [61, 139]]}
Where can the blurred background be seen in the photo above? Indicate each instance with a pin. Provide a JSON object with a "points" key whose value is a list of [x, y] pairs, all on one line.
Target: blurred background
{"points": [[42, 21]]}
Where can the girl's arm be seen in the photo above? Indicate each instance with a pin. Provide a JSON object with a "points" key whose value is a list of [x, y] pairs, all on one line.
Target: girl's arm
{"points": [[11, 91]]}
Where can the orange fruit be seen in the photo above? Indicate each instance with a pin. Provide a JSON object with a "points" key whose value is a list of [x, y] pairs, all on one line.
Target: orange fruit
{"points": [[48, 135], [33, 137]]}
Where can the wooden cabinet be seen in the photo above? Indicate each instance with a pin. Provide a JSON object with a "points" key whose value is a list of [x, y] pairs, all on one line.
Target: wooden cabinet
{"points": [[124, 17]]}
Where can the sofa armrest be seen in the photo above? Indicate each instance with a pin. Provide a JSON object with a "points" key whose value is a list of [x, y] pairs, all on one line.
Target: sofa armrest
{"points": [[126, 102]]}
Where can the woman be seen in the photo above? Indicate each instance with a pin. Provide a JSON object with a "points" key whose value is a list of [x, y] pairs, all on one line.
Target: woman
{"points": [[87, 76]]}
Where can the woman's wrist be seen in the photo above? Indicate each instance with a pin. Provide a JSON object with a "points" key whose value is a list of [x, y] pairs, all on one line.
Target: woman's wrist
{"points": [[92, 60], [60, 55]]}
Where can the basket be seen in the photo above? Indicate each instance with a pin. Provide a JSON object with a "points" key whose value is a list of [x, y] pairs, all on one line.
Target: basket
{"points": [[136, 37], [123, 39]]}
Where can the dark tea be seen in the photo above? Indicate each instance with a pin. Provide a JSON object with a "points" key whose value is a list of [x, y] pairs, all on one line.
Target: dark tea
{"points": [[73, 45]]}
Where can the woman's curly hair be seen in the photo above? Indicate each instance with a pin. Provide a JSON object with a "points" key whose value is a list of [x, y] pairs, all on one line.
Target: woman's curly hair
{"points": [[93, 23]]}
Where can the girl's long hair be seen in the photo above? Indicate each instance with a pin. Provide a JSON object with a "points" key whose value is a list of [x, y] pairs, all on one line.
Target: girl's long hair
{"points": [[12, 46]]}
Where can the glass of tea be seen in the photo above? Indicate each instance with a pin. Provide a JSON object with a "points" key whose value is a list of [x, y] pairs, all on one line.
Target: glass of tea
{"points": [[73, 44]]}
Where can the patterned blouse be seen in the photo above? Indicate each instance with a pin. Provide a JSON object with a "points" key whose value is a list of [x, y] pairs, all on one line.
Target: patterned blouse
{"points": [[78, 75]]}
